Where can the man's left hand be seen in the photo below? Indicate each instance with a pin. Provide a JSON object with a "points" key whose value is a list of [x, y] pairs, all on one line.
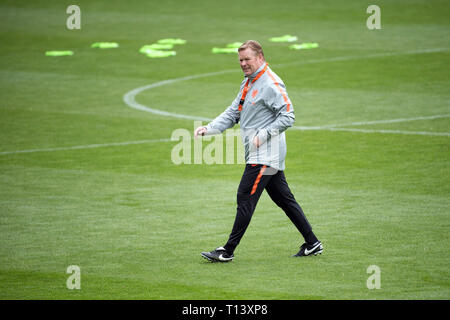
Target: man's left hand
{"points": [[256, 142]]}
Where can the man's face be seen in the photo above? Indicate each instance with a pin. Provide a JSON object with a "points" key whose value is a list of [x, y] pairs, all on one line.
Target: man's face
{"points": [[250, 61]]}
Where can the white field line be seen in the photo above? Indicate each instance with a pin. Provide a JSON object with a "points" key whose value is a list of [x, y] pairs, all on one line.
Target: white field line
{"points": [[89, 146], [326, 128], [369, 56], [338, 127], [362, 123], [130, 100], [130, 97], [424, 133]]}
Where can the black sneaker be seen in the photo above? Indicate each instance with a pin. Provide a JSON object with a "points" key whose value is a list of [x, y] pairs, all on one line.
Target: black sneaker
{"points": [[218, 255], [309, 249]]}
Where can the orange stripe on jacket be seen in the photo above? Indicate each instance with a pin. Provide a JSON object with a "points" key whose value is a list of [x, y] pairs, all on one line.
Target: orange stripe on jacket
{"points": [[245, 90], [281, 90], [255, 185]]}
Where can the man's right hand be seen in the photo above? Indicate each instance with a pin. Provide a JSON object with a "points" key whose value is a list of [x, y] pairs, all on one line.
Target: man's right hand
{"points": [[200, 131]]}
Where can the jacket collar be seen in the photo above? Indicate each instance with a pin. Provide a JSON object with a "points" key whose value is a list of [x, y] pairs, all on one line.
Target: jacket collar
{"points": [[254, 74]]}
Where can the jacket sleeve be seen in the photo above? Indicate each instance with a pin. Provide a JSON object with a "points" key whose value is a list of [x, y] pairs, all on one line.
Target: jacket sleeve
{"points": [[277, 100], [226, 119]]}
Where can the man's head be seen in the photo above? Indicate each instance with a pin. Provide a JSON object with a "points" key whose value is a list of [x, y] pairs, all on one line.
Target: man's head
{"points": [[251, 56]]}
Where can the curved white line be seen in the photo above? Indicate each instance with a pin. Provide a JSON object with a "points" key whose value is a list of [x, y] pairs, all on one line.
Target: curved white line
{"points": [[130, 97]]}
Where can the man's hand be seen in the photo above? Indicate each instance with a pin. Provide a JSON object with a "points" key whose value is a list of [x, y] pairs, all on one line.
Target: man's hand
{"points": [[200, 131], [256, 142]]}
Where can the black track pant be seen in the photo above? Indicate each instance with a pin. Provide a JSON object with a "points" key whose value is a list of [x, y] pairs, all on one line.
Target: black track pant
{"points": [[255, 179]]}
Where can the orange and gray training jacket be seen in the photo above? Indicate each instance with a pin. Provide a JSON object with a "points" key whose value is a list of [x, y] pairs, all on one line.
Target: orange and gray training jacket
{"points": [[263, 109]]}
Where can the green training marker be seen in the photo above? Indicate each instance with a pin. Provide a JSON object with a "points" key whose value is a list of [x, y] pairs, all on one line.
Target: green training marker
{"points": [[105, 45], [59, 53], [171, 41], [224, 50], [306, 45], [234, 45], [285, 38], [151, 53], [155, 46]]}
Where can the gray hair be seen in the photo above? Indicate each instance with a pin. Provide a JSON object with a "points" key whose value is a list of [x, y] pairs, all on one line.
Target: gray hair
{"points": [[253, 45]]}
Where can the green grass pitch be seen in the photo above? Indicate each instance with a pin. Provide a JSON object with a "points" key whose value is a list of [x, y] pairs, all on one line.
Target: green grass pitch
{"points": [[80, 186]]}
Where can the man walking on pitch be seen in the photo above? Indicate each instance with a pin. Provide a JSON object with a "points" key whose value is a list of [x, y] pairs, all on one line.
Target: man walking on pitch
{"points": [[264, 111]]}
